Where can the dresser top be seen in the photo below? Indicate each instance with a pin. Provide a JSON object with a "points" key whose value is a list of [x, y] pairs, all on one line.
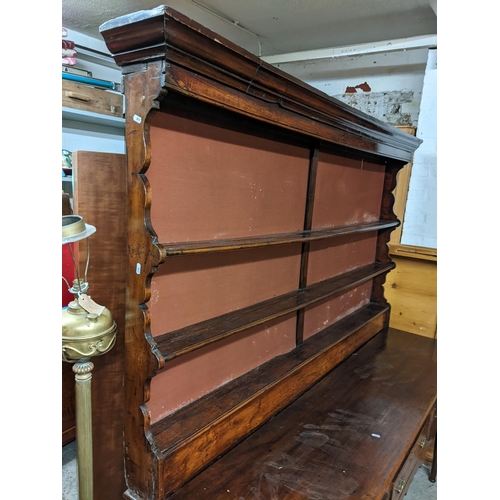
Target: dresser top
{"points": [[202, 64]]}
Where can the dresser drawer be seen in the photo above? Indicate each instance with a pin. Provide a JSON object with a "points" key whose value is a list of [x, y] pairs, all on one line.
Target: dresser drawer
{"points": [[426, 452], [86, 98], [403, 479]]}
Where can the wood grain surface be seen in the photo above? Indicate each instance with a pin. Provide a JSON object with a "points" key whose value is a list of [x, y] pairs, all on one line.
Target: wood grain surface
{"points": [[345, 438], [100, 181], [228, 159]]}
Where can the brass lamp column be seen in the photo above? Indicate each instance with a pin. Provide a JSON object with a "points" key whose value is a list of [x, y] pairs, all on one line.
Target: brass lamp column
{"points": [[88, 330]]}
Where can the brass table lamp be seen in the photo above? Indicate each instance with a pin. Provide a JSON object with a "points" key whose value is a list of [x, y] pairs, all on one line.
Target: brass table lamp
{"points": [[88, 330]]}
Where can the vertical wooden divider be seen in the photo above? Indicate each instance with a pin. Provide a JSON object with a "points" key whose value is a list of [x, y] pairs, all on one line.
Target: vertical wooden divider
{"points": [[384, 235], [100, 199], [304, 261]]}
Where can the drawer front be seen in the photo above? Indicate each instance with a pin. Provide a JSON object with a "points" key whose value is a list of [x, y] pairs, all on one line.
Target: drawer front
{"points": [[403, 479], [426, 451], [431, 424], [85, 98], [432, 429]]}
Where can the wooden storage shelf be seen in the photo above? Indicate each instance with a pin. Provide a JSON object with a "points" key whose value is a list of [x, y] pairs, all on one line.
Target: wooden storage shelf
{"points": [[413, 252], [91, 99], [174, 428], [343, 438], [221, 146], [185, 340], [254, 395], [93, 118], [195, 247], [412, 289]]}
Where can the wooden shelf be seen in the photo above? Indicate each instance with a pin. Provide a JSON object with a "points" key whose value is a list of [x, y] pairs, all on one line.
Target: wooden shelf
{"points": [[93, 118], [196, 247], [413, 252], [325, 440], [188, 339], [222, 124], [175, 428]]}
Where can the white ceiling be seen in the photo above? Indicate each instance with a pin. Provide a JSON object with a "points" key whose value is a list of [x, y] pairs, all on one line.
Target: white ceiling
{"points": [[269, 27]]}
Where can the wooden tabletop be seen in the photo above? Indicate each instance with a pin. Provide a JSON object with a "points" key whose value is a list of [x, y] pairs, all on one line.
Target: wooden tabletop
{"points": [[345, 438]]}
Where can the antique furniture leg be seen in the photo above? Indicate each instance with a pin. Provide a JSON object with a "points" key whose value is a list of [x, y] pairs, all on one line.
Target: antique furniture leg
{"points": [[433, 472]]}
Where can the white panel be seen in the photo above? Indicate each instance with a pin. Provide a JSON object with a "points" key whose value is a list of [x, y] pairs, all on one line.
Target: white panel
{"points": [[394, 73], [76, 136], [420, 226]]}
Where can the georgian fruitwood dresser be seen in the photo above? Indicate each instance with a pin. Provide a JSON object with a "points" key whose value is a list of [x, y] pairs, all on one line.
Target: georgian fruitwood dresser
{"points": [[259, 364]]}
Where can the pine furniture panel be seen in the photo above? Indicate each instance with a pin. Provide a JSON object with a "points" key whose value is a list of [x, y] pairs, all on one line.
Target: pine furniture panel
{"points": [[412, 289], [88, 98]]}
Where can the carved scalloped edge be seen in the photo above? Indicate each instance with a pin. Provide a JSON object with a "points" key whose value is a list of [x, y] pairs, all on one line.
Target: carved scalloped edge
{"points": [[387, 213], [141, 158], [150, 81]]}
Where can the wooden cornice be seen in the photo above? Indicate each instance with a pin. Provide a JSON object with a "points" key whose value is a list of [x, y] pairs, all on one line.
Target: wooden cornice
{"points": [[201, 64]]}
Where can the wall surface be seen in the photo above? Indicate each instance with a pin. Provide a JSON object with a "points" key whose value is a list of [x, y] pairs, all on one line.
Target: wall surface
{"points": [[81, 136], [386, 85], [397, 107], [420, 222]]}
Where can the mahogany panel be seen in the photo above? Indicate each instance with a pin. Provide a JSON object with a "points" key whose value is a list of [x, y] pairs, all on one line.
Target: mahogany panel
{"points": [[100, 181], [189, 377], [346, 437], [187, 290], [384, 236], [211, 183], [68, 419], [348, 191]]}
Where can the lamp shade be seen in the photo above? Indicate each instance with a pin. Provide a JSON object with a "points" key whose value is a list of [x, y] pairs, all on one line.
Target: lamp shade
{"points": [[74, 229]]}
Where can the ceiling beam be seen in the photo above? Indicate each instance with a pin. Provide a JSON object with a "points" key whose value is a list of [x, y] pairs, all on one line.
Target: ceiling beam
{"points": [[416, 42]]}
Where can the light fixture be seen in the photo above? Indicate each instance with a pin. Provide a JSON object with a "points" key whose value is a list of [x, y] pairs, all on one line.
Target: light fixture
{"points": [[88, 330]]}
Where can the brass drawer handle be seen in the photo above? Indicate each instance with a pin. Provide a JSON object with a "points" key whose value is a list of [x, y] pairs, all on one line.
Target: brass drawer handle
{"points": [[401, 485]]}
